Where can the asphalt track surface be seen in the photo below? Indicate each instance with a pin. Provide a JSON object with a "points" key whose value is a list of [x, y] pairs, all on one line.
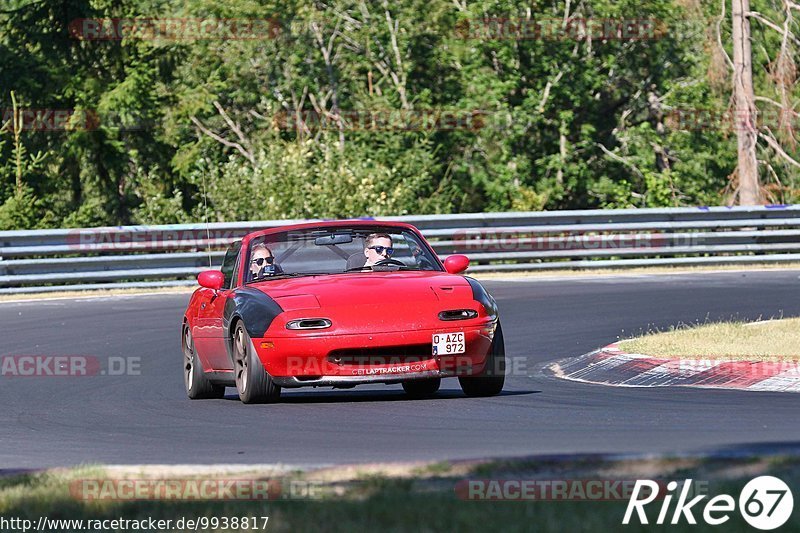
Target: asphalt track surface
{"points": [[146, 418]]}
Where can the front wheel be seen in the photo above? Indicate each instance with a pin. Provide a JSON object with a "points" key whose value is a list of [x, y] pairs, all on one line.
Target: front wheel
{"points": [[253, 382], [491, 379], [197, 384], [420, 388]]}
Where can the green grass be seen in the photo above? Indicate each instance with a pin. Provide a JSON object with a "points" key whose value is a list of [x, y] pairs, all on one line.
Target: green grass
{"points": [[413, 498], [769, 340]]}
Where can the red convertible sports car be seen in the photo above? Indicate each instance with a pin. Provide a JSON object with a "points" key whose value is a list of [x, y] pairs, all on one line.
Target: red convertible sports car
{"points": [[339, 304]]}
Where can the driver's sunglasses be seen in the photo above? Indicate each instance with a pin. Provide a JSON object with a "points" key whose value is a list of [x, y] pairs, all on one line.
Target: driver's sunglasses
{"points": [[381, 249], [260, 260]]}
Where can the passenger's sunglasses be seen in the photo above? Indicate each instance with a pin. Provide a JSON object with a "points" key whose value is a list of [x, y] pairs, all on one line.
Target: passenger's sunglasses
{"points": [[260, 261], [381, 249]]}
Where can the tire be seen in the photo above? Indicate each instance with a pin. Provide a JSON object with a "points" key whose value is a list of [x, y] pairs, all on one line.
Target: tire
{"points": [[420, 388], [492, 378], [197, 385], [253, 383]]}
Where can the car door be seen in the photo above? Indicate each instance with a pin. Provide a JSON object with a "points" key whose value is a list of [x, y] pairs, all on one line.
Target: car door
{"points": [[210, 335]]}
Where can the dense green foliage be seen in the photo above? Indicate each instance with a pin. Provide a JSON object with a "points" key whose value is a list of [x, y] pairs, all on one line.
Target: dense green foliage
{"points": [[166, 129]]}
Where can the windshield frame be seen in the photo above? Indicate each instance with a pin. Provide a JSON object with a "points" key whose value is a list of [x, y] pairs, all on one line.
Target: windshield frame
{"points": [[343, 226]]}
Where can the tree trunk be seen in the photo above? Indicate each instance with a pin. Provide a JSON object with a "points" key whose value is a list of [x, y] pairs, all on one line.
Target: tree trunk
{"points": [[745, 110]]}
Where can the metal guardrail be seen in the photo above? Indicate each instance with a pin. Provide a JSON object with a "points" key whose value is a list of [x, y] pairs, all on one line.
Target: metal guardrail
{"points": [[153, 256]]}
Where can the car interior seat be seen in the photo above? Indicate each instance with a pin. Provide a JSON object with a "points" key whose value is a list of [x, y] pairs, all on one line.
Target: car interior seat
{"points": [[356, 260]]}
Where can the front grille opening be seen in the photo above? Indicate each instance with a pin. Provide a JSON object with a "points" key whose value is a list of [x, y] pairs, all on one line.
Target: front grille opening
{"points": [[384, 355], [309, 323], [458, 314]]}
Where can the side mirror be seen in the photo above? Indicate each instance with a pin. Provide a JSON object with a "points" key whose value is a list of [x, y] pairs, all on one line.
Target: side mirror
{"points": [[211, 279], [455, 264]]}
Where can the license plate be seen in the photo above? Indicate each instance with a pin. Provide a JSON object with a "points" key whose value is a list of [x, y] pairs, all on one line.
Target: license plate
{"points": [[448, 343]]}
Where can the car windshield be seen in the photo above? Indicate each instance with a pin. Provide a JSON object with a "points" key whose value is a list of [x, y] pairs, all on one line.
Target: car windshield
{"points": [[337, 250]]}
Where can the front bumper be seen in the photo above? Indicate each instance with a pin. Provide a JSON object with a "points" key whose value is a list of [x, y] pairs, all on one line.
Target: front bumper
{"points": [[316, 359], [346, 382]]}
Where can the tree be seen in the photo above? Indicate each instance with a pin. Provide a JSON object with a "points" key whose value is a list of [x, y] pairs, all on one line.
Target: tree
{"points": [[744, 102]]}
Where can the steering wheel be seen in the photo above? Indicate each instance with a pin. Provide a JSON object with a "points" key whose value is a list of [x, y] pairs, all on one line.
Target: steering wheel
{"points": [[389, 261]]}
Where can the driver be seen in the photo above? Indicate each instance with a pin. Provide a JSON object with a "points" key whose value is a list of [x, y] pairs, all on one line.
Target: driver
{"points": [[377, 247], [262, 262]]}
